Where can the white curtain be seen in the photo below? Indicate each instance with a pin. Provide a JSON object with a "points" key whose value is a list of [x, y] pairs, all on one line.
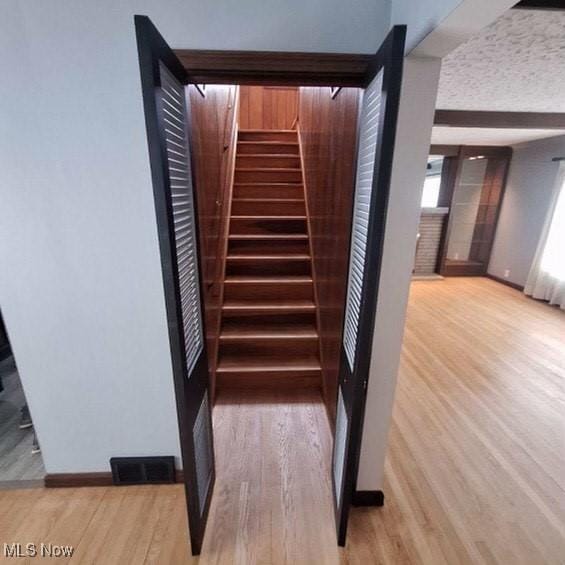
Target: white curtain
{"points": [[546, 280]]}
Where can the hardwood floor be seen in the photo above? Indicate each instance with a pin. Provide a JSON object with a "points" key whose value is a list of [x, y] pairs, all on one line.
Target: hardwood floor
{"points": [[475, 470]]}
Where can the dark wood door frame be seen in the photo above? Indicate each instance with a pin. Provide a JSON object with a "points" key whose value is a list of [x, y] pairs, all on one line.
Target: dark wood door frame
{"points": [[305, 69], [271, 68]]}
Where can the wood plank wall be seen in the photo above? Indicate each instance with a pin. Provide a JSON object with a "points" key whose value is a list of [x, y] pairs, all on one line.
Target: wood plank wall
{"points": [[328, 133], [268, 107], [213, 122]]}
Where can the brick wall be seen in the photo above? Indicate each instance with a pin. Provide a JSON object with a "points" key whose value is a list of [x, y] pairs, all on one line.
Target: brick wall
{"points": [[431, 224]]}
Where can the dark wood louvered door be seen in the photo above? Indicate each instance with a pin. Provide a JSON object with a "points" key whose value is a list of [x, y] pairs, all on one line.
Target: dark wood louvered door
{"points": [[377, 128], [163, 82]]}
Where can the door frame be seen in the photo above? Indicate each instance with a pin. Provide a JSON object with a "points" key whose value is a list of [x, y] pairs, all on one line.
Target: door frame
{"points": [[277, 68], [271, 68]]}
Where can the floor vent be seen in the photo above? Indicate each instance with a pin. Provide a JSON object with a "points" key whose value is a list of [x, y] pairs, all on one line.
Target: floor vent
{"points": [[142, 470]]}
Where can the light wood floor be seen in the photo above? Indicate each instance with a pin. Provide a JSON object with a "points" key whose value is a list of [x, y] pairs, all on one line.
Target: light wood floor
{"points": [[475, 470]]}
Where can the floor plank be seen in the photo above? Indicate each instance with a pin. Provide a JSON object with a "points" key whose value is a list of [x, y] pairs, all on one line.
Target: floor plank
{"points": [[475, 471]]}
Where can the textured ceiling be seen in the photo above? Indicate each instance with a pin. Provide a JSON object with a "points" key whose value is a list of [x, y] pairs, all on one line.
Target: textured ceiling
{"points": [[515, 64], [489, 136]]}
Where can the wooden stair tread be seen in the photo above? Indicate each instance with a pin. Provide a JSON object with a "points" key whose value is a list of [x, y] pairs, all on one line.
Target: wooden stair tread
{"points": [[270, 257], [242, 279], [270, 200], [269, 169], [277, 236], [266, 142], [258, 364], [269, 217], [275, 184], [268, 155], [269, 305], [277, 332], [267, 130]]}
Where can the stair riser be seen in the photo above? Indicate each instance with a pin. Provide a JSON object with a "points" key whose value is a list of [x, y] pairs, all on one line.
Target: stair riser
{"points": [[268, 268], [267, 349], [263, 322], [271, 148], [274, 175], [280, 380], [268, 291], [268, 208], [267, 135], [268, 191], [268, 246], [261, 226], [255, 161]]}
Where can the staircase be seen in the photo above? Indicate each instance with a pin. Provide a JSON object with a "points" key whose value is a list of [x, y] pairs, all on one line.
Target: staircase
{"points": [[268, 336]]}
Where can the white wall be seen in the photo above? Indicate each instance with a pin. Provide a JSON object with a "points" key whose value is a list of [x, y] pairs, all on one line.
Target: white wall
{"points": [[415, 120], [80, 287], [421, 17], [525, 206]]}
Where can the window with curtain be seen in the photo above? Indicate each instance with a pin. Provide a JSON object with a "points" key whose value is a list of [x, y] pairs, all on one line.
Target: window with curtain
{"points": [[553, 257], [547, 276]]}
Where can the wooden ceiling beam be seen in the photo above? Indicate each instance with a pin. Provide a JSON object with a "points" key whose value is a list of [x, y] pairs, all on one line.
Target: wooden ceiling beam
{"points": [[540, 5], [506, 120]]}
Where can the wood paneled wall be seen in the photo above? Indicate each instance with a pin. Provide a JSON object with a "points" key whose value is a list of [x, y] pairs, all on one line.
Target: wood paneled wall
{"points": [[267, 107], [328, 136], [213, 128]]}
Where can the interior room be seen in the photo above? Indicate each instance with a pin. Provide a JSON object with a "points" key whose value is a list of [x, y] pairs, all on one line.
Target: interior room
{"points": [[484, 343], [283, 281]]}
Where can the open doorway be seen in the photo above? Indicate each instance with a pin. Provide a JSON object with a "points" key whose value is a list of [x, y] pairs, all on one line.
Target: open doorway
{"points": [[21, 464], [271, 241]]}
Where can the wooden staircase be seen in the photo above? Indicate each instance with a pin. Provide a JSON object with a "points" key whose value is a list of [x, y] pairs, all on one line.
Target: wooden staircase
{"points": [[268, 336]]}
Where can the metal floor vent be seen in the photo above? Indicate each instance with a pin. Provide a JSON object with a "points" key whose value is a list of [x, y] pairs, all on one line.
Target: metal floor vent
{"points": [[142, 470]]}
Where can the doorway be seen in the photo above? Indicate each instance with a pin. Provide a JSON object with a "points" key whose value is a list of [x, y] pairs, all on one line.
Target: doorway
{"points": [[241, 262], [21, 464]]}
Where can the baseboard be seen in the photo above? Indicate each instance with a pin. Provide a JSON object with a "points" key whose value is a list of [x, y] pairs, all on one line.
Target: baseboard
{"points": [[368, 498], [74, 480], [506, 282]]}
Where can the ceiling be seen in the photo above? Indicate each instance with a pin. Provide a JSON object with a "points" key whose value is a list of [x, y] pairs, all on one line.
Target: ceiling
{"points": [[515, 64], [489, 136]]}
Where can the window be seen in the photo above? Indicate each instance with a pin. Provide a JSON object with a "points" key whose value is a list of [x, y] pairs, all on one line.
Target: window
{"points": [[432, 183], [553, 258]]}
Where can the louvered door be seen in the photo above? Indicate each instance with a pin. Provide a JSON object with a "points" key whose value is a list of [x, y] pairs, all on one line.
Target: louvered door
{"points": [[166, 116], [377, 127]]}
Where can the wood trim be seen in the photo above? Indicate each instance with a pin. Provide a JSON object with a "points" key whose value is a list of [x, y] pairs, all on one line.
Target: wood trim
{"points": [[505, 282], [312, 267], [275, 68], [368, 498], [508, 120], [555, 5], [72, 480], [224, 235], [101, 479]]}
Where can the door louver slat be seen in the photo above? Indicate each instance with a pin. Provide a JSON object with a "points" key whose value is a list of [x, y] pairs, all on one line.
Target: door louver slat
{"points": [[171, 98], [369, 120]]}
